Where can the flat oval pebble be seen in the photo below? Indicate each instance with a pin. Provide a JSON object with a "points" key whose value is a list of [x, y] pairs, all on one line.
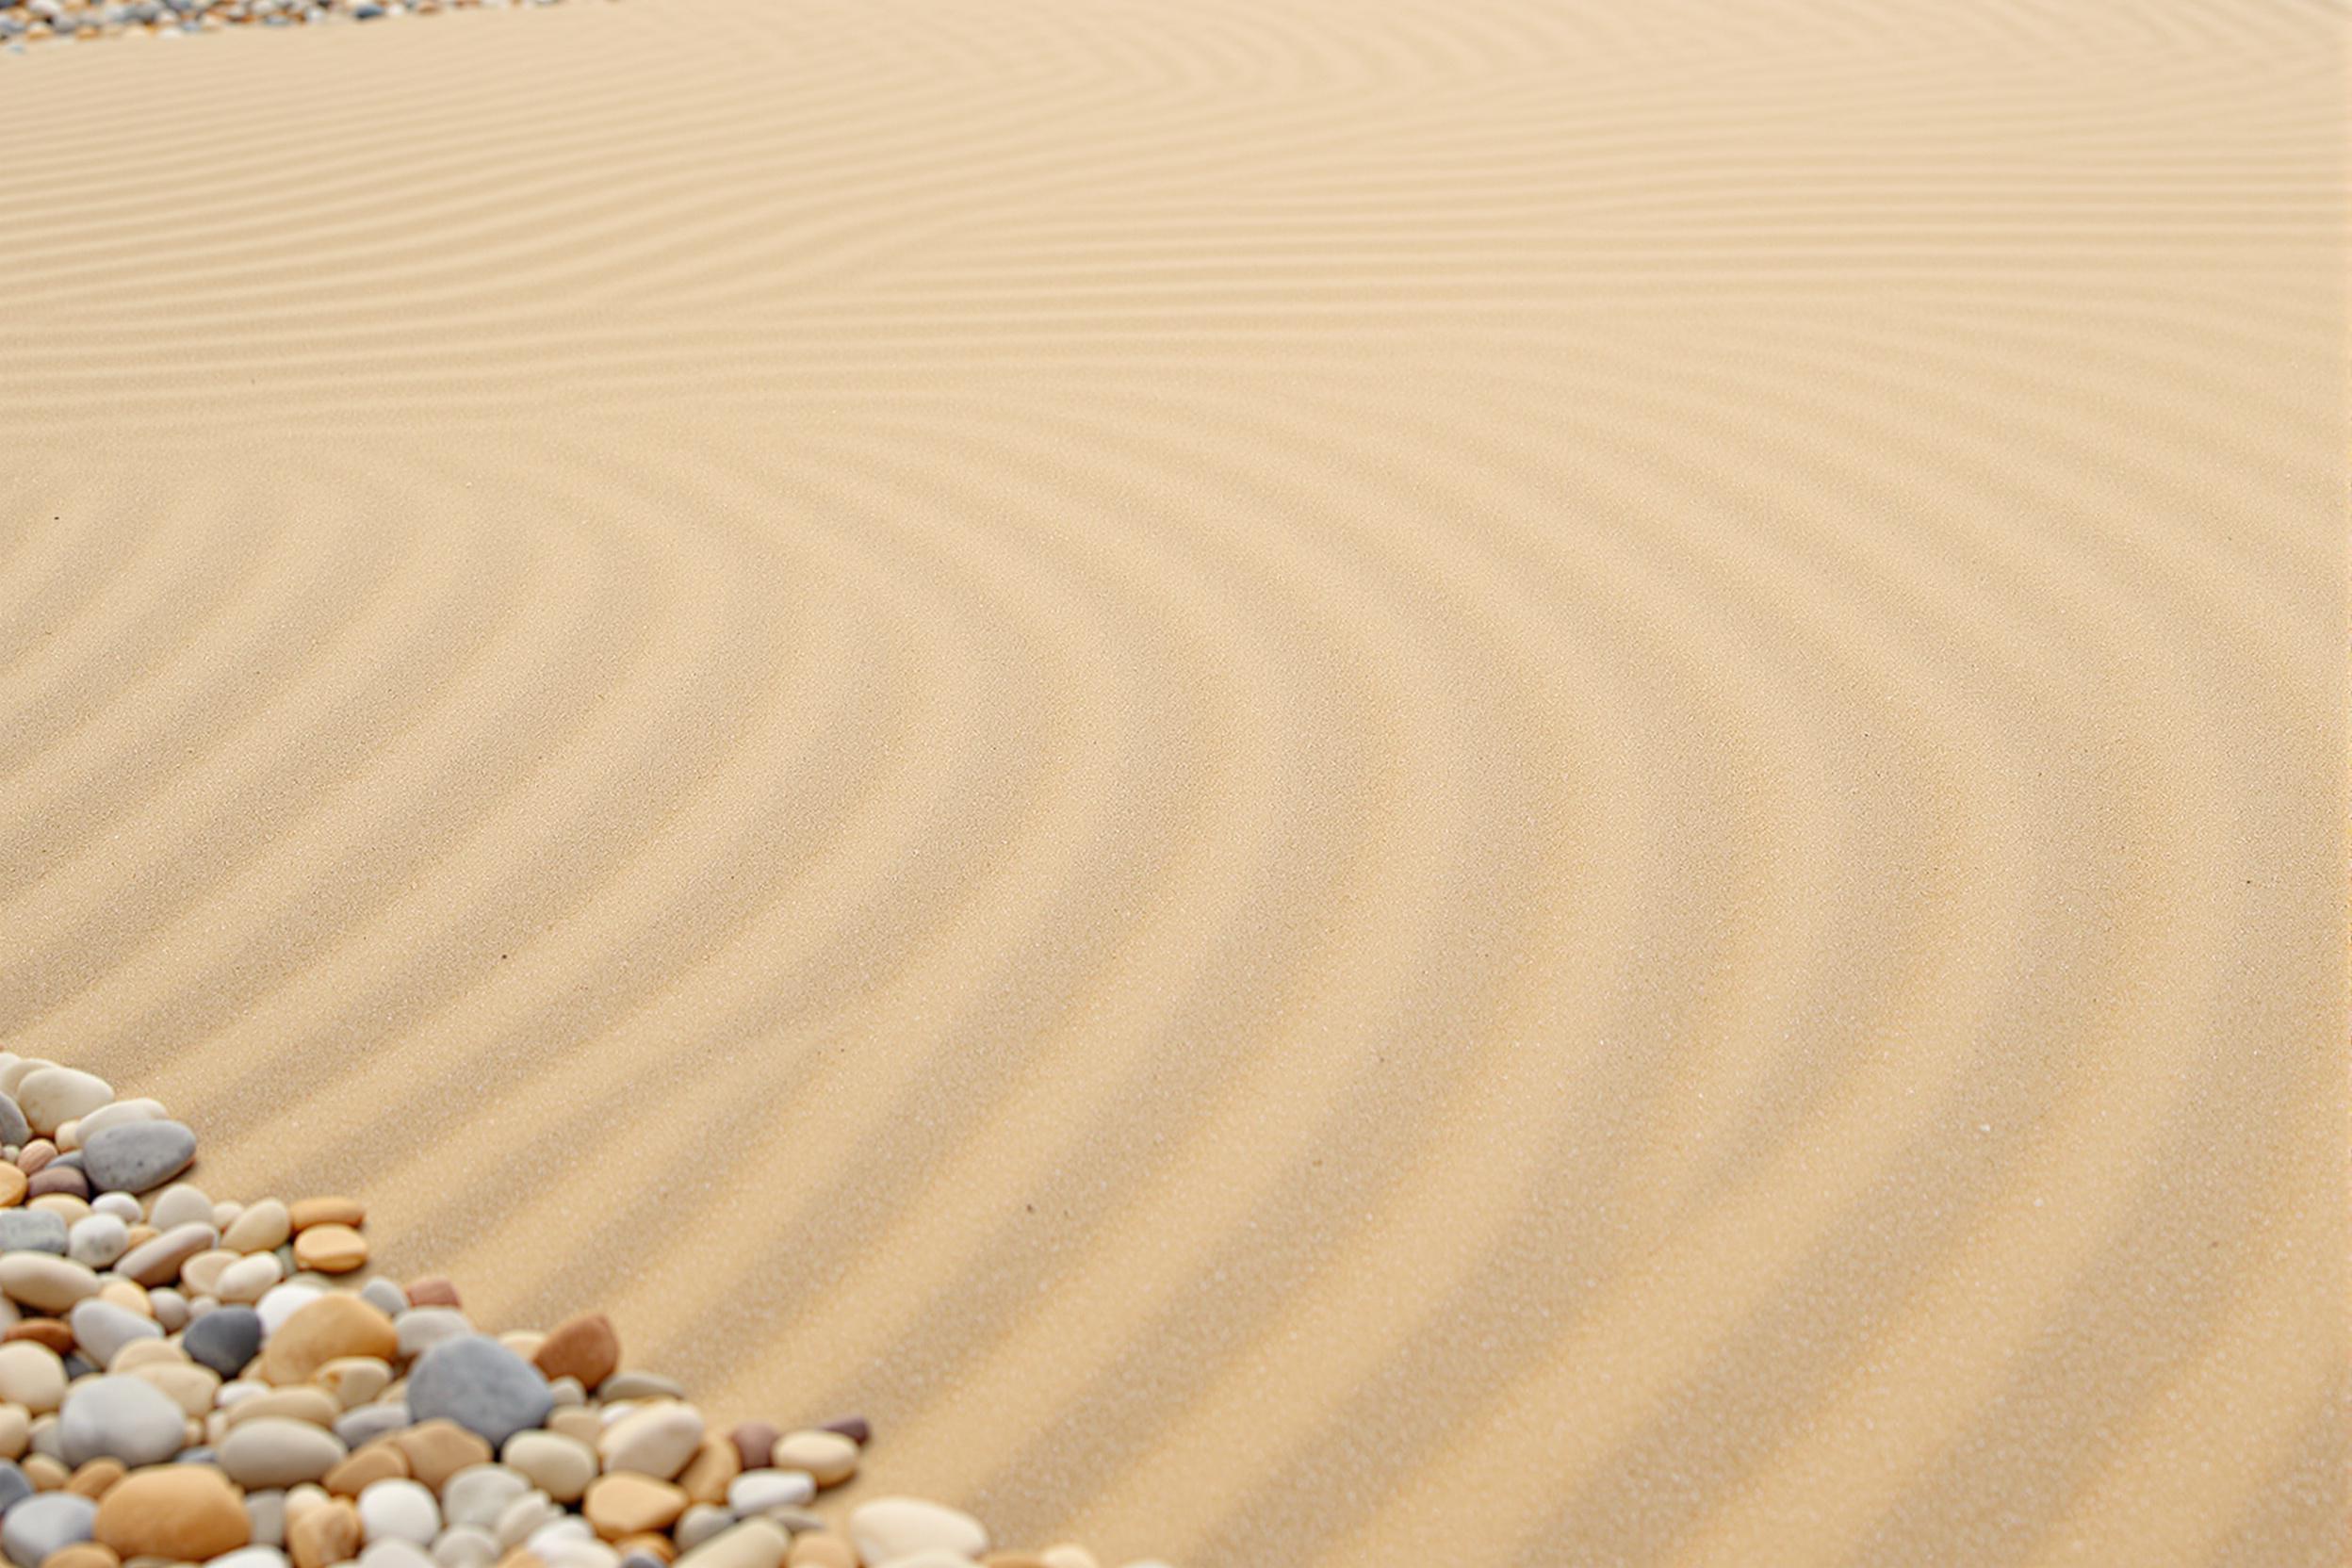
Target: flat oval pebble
{"points": [[31, 1230], [105, 1331], [13, 1185], [465, 1546], [181, 1513], [250, 1279], [752, 1544], [438, 1449], [887, 1529], [32, 1376], [277, 1451], [399, 1510], [761, 1491], [51, 1096], [307, 1211], [422, 1327], [261, 1227], [323, 1328], [558, 1466], [136, 1156], [265, 1555], [121, 1417], [116, 1115], [226, 1339], [482, 1386], [329, 1248], [158, 1261], [181, 1203], [656, 1441], [830, 1458]]}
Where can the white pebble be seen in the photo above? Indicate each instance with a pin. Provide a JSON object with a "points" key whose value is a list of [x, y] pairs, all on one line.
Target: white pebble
{"points": [[398, 1509], [465, 1546], [181, 1203], [98, 1240]]}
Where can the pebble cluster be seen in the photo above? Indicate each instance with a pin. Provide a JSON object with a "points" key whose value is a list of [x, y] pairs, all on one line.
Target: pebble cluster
{"points": [[184, 1381], [25, 22]]}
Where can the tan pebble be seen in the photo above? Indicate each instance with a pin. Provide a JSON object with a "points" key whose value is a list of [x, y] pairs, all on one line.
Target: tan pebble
{"points": [[830, 1458], [16, 1431], [45, 1283], [326, 1534], [191, 1387], [628, 1504], [329, 1329], [705, 1474], [201, 1273], [433, 1290], [823, 1549], [522, 1557], [932, 1556], [380, 1460], [299, 1500], [313, 1405], [32, 1376], [149, 1352], [438, 1449], [577, 1422], [45, 1332], [329, 1248], [139, 1235], [34, 1155], [82, 1554], [305, 1213], [12, 1185], [1069, 1555], [887, 1529], [47, 1473], [584, 1346], [93, 1479], [352, 1381], [752, 1544], [64, 1205], [263, 1226], [558, 1466], [656, 1440], [130, 1297], [225, 1212], [249, 1279], [158, 1261]]}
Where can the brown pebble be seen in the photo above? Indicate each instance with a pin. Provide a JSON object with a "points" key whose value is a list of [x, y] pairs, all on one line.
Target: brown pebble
{"points": [[380, 1460], [82, 1554], [326, 1329], [822, 1549], [714, 1464], [628, 1504], [853, 1428], [95, 1477], [584, 1346], [328, 1534], [58, 1178], [329, 1248], [432, 1291], [12, 1186], [46, 1474], [307, 1211], [178, 1512], [754, 1442], [44, 1331], [437, 1450]]}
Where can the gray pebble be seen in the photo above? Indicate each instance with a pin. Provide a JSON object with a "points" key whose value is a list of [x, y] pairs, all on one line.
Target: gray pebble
{"points": [[31, 1230], [125, 1418], [369, 1421], [422, 1327], [135, 1157], [14, 1130], [226, 1339], [49, 1523], [383, 1294], [102, 1329], [14, 1488], [480, 1384]]}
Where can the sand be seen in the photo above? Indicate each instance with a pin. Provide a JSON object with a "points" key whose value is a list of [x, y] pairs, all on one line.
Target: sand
{"points": [[1470, 782]]}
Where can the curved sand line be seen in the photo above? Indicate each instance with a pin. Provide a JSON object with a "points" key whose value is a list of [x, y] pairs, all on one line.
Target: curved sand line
{"points": [[1331, 785]]}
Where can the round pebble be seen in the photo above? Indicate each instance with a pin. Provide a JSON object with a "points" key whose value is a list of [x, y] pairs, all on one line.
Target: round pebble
{"points": [[584, 1346], [31, 1376], [482, 1385], [762, 1491], [52, 1096], [96, 1241], [329, 1248], [399, 1510], [226, 1339], [182, 1512], [181, 1203], [830, 1458], [656, 1441]]}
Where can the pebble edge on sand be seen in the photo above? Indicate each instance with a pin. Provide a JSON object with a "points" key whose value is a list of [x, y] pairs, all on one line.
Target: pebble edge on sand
{"points": [[186, 1380]]}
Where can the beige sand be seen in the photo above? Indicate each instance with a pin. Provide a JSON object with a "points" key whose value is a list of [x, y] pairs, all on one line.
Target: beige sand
{"points": [[1331, 784]]}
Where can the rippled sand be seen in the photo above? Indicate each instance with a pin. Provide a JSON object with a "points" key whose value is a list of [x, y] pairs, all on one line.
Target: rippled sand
{"points": [[1331, 784]]}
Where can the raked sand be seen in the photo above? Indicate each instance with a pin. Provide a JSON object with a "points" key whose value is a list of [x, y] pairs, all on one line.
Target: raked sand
{"points": [[1331, 784]]}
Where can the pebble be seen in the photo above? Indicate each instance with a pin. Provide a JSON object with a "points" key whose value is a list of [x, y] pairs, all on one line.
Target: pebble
{"points": [[480, 1493], [259, 1229], [432, 1291], [640, 1385], [38, 1527], [399, 1510], [52, 1096], [325, 1211], [96, 1241], [391, 1553], [326, 1534], [14, 1488], [182, 1512], [226, 1339], [438, 1449], [656, 1441], [480, 1384], [755, 1441], [97, 1121], [329, 1248], [15, 1131], [322, 1328], [889, 1528], [104, 1330], [31, 1376], [855, 1428], [158, 1261], [249, 1279], [31, 1230], [266, 1556], [85, 1554], [714, 1465], [266, 1512], [628, 1504], [698, 1524], [389, 1298], [352, 1381], [465, 1546], [823, 1549], [762, 1491], [121, 1417], [136, 1156], [830, 1458], [369, 1421], [181, 1203], [377, 1462], [422, 1327], [584, 1346], [13, 1185], [752, 1544], [277, 1451], [558, 1466]]}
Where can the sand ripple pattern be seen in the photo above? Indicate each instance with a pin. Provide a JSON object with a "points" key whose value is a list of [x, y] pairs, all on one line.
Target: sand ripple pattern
{"points": [[1469, 782]]}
